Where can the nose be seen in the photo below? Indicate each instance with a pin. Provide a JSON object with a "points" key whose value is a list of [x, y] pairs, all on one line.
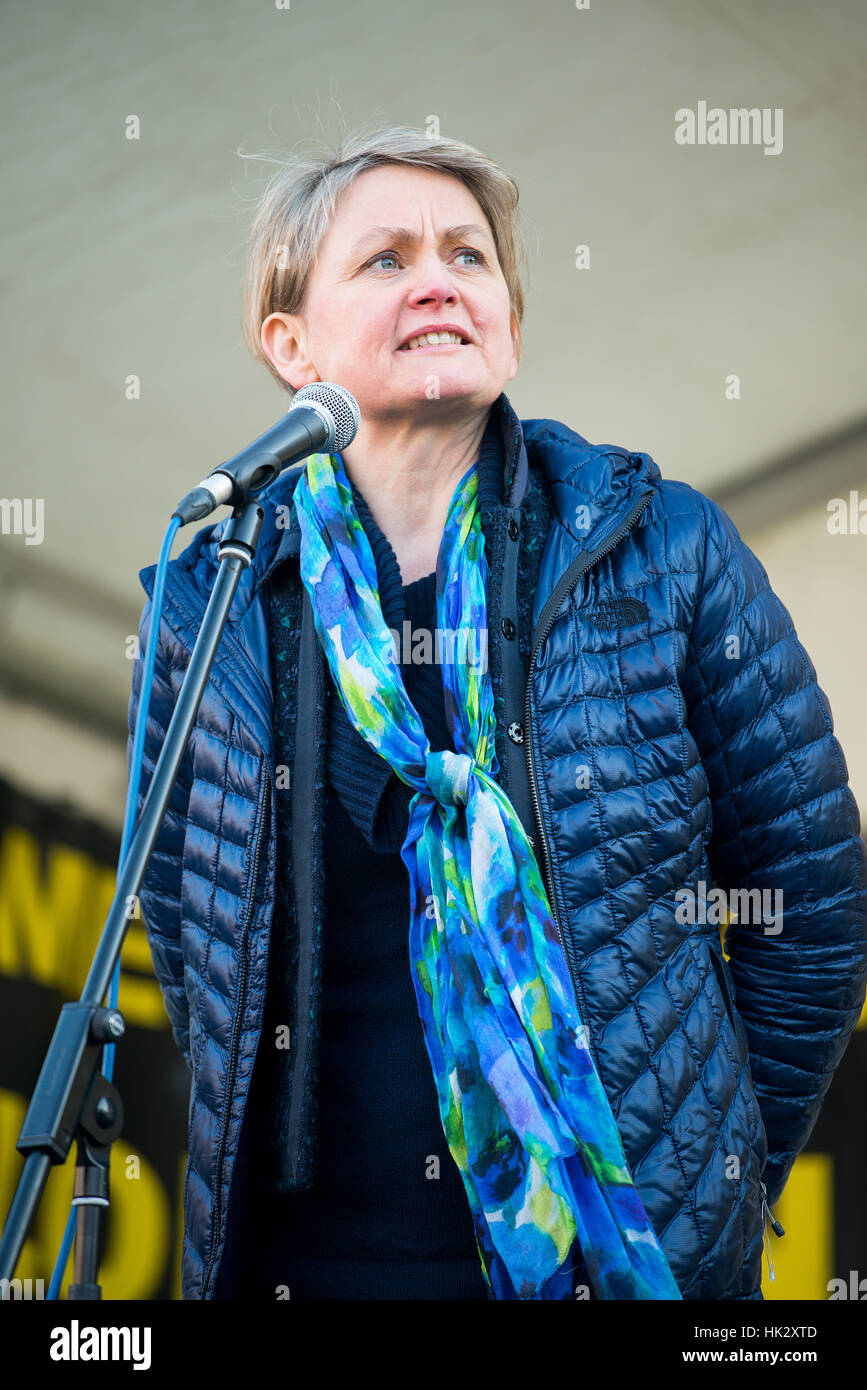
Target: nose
{"points": [[432, 283]]}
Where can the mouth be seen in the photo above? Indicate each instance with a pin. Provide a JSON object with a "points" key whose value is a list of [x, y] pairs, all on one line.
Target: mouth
{"points": [[441, 340]]}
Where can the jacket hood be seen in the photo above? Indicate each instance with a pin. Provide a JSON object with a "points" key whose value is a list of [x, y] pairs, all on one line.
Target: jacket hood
{"points": [[592, 487]]}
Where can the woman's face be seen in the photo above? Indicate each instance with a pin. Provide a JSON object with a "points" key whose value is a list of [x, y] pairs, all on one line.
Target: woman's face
{"points": [[407, 248]]}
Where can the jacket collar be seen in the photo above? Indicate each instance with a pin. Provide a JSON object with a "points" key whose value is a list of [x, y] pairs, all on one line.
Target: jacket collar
{"points": [[592, 486], [593, 489]]}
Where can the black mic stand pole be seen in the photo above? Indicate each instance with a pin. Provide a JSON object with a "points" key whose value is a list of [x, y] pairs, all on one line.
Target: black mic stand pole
{"points": [[72, 1099]]}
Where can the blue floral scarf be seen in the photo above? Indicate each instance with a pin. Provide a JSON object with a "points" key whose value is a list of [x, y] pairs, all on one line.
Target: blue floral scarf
{"points": [[524, 1113]]}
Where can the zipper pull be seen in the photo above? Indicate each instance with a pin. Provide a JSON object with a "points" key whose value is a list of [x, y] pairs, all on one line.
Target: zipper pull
{"points": [[765, 1236], [775, 1225]]}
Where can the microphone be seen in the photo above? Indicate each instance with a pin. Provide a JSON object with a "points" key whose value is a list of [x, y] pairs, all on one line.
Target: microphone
{"points": [[323, 418]]}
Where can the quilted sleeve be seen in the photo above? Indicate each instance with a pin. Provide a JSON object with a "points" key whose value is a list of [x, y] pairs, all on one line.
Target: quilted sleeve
{"points": [[160, 891], [784, 820]]}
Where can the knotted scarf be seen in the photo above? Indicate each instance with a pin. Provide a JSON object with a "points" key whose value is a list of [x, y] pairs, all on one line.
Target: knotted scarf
{"points": [[524, 1113]]}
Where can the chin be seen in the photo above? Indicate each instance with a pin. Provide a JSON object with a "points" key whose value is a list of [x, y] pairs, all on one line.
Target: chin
{"points": [[450, 386]]}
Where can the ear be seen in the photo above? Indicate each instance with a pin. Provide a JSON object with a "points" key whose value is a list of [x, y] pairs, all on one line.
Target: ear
{"points": [[284, 343]]}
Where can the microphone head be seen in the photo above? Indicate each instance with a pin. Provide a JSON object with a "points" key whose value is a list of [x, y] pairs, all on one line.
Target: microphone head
{"points": [[339, 404]]}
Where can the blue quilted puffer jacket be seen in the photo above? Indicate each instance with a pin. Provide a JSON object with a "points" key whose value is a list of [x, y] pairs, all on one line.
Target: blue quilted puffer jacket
{"points": [[670, 738]]}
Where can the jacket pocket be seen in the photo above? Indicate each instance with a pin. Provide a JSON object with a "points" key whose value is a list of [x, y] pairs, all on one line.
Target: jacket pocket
{"points": [[722, 974], [725, 987]]}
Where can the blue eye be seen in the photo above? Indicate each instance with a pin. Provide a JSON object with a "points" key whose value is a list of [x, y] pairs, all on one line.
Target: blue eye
{"points": [[392, 255]]}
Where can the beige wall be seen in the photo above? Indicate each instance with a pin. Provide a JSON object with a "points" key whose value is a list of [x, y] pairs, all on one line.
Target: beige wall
{"points": [[822, 580]]}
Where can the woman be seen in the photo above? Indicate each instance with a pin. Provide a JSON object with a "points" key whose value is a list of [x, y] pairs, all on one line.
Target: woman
{"points": [[431, 922]]}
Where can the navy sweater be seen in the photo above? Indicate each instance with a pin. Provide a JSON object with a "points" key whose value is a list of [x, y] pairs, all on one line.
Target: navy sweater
{"points": [[388, 1216]]}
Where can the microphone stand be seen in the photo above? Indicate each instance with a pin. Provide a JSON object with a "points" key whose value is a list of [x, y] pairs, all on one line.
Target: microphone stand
{"points": [[72, 1098]]}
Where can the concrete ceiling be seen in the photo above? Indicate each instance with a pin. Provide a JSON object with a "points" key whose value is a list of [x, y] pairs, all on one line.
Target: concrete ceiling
{"points": [[122, 257]]}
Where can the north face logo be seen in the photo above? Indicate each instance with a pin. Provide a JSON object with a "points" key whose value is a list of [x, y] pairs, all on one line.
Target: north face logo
{"points": [[616, 612]]}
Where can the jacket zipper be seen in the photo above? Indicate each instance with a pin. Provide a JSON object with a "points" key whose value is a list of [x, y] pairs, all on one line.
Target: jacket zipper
{"points": [[554, 605], [236, 1033]]}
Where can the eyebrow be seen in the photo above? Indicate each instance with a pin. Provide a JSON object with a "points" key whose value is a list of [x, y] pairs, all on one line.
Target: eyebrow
{"points": [[405, 236]]}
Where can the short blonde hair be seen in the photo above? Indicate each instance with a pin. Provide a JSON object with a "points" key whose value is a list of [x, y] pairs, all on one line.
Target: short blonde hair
{"points": [[301, 197]]}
